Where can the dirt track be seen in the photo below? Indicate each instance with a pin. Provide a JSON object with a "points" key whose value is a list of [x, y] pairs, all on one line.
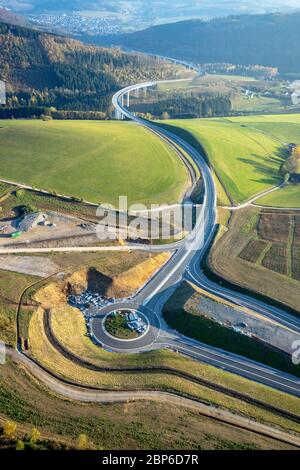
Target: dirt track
{"points": [[33, 265], [91, 395]]}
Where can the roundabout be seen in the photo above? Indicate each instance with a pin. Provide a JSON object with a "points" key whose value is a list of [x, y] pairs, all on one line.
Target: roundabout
{"points": [[185, 264], [126, 324], [112, 326]]}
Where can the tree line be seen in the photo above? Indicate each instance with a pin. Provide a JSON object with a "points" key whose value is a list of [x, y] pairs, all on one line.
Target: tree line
{"points": [[290, 169], [193, 106], [31, 112]]}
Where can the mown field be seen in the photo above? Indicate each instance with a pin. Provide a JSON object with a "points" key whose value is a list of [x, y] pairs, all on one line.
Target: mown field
{"points": [[96, 161], [285, 197], [246, 153]]}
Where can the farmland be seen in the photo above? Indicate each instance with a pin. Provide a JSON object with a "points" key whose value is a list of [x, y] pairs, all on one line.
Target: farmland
{"points": [[252, 147], [253, 250], [261, 251], [276, 258], [96, 161], [274, 227]]}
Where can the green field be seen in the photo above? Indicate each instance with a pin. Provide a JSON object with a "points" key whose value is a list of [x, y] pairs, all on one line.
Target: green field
{"points": [[285, 197], [246, 152], [96, 161], [256, 104]]}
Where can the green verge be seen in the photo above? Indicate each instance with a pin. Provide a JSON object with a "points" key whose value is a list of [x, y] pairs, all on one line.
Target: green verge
{"points": [[117, 326], [194, 325], [96, 161]]}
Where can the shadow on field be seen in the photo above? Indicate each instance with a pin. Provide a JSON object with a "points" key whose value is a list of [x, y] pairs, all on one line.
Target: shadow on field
{"points": [[263, 166]]}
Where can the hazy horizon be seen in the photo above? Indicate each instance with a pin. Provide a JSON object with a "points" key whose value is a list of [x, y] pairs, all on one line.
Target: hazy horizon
{"points": [[155, 9]]}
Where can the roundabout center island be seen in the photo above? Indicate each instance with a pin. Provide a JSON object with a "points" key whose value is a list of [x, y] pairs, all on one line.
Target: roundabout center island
{"points": [[126, 324]]}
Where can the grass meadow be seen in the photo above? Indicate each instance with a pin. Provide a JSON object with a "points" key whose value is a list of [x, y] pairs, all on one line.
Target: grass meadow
{"points": [[96, 161], [246, 153]]}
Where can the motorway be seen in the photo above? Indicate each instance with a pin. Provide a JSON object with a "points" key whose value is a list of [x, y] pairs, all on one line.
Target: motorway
{"points": [[185, 265]]}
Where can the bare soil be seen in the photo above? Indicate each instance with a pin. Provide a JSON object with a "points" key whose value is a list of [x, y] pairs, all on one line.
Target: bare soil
{"points": [[225, 260]]}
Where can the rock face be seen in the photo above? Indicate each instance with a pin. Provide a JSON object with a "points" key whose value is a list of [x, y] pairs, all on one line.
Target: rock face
{"points": [[88, 279]]}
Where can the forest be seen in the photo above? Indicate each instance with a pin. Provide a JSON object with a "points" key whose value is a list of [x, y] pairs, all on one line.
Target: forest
{"points": [[271, 40], [44, 70], [189, 107]]}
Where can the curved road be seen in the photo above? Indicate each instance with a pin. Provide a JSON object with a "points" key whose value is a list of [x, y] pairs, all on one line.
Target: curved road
{"points": [[90, 395], [185, 264]]}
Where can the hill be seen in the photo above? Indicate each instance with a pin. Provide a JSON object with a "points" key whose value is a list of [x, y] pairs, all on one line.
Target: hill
{"points": [[7, 16], [49, 70], [246, 153], [271, 40], [95, 161]]}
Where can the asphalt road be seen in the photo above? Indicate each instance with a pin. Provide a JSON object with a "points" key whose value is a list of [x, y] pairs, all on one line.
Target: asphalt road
{"points": [[185, 264], [90, 395]]}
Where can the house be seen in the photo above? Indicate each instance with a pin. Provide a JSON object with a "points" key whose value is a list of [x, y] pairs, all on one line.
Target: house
{"points": [[296, 97]]}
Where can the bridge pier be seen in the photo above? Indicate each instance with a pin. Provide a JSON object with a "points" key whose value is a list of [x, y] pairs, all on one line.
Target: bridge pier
{"points": [[128, 99], [117, 114]]}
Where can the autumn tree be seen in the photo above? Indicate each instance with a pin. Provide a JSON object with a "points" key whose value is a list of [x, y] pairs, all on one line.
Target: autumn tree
{"points": [[82, 442], [290, 169], [34, 436], [296, 151], [9, 429], [20, 445], [165, 116]]}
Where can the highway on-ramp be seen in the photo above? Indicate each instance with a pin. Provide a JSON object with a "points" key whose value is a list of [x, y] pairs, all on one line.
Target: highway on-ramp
{"points": [[185, 264]]}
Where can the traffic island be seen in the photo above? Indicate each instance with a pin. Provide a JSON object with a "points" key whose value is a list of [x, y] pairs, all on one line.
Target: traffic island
{"points": [[126, 324]]}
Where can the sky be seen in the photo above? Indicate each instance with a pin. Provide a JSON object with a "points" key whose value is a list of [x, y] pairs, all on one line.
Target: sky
{"points": [[192, 8]]}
